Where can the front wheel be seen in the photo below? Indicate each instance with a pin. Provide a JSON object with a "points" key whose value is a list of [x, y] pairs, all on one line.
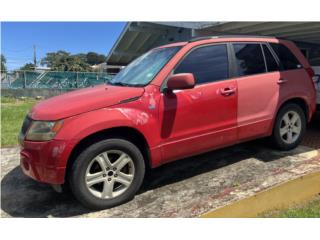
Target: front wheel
{"points": [[107, 173], [289, 127]]}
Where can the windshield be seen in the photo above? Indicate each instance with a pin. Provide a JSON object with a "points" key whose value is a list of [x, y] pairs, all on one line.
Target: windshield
{"points": [[143, 69]]}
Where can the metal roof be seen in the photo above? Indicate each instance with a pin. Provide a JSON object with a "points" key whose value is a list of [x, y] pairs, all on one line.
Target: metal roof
{"points": [[297, 31], [138, 37]]}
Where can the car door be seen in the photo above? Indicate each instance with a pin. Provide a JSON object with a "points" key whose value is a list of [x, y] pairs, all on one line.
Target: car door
{"points": [[258, 87], [205, 117]]}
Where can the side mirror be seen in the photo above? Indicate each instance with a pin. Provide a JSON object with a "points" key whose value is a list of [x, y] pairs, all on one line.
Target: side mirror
{"points": [[180, 81]]}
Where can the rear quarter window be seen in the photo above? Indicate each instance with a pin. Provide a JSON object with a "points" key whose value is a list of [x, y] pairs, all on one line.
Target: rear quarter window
{"points": [[287, 59]]}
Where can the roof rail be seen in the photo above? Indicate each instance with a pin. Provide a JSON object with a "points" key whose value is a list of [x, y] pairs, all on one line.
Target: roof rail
{"points": [[228, 36]]}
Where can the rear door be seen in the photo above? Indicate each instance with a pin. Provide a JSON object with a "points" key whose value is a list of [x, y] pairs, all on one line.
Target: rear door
{"points": [[205, 117], [295, 80], [258, 88]]}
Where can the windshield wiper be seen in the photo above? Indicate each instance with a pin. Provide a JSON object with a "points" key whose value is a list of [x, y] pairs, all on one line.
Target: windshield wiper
{"points": [[119, 84], [125, 84]]}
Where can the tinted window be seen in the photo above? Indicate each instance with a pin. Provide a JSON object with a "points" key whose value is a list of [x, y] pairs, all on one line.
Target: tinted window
{"points": [[249, 58], [272, 64], [207, 64], [286, 57]]}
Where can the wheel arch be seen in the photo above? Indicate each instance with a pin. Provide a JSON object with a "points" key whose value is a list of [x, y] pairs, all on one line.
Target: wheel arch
{"points": [[300, 102], [297, 100], [128, 133]]}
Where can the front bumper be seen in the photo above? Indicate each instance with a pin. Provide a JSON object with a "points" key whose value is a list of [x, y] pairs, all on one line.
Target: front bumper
{"points": [[45, 161]]}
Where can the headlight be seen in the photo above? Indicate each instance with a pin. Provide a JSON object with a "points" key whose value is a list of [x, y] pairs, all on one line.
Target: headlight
{"points": [[43, 131]]}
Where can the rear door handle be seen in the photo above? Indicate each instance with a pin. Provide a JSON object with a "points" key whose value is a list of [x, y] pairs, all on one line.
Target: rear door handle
{"points": [[282, 80], [227, 91]]}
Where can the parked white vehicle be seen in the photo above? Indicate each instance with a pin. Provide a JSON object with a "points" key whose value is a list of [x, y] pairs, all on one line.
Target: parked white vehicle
{"points": [[317, 77], [315, 63]]}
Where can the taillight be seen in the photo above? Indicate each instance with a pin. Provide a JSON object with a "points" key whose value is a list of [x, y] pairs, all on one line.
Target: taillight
{"points": [[315, 78], [310, 72]]}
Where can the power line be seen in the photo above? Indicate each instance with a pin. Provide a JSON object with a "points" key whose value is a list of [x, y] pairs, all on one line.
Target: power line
{"points": [[22, 50], [29, 57]]}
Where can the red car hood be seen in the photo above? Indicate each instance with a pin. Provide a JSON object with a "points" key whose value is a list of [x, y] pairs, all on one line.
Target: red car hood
{"points": [[80, 101]]}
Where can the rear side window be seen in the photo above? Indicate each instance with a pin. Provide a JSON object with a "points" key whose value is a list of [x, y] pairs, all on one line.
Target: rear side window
{"points": [[208, 64], [249, 58], [272, 64], [287, 59]]}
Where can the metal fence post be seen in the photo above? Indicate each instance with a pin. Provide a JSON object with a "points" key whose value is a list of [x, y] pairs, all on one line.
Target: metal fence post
{"points": [[77, 80], [25, 80], [8, 80]]}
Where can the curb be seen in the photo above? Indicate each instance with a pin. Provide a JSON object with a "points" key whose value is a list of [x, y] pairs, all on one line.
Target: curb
{"points": [[281, 196]]}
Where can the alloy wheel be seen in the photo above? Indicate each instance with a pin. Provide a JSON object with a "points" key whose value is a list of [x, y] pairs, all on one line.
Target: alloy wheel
{"points": [[290, 127], [109, 174]]}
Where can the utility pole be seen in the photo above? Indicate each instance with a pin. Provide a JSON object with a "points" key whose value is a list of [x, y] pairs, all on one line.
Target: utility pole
{"points": [[34, 57]]}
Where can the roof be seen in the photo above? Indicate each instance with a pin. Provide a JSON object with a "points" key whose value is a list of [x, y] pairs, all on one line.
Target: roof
{"points": [[228, 36]]}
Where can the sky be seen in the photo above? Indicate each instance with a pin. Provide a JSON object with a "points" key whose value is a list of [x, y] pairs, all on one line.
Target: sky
{"points": [[18, 38]]}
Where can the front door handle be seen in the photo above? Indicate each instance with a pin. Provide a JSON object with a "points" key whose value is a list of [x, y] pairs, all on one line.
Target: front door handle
{"points": [[282, 81], [227, 91]]}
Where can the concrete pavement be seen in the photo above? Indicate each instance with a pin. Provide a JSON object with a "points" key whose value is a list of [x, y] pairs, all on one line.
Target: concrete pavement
{"points": [[186, 188]]}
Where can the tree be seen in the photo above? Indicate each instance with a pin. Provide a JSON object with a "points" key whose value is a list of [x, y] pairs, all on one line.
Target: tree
{"points": [[55, 60], [64, 61], [3, 63], [27, 67], [76, 64], [95, 58]]}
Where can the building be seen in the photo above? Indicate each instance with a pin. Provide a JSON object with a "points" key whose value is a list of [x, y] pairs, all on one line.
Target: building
{"points": [[139, 37], [104, 67]]}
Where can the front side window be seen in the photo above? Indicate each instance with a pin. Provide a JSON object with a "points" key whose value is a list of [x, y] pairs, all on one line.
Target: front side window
{"points": [[272, 64], [249, 58], [142, 70], [208, 64], [286, 57]]}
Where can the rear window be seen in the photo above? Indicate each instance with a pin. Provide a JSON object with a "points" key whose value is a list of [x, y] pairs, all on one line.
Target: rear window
{"points": [[249, 58], [287, 59]]}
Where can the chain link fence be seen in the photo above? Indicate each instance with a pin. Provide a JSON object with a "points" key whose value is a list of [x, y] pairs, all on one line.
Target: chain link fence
{"points": [[52, 79]]}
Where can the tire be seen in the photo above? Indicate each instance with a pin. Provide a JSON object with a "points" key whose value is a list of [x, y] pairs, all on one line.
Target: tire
{"points": [[283, 129], [94, 179]]}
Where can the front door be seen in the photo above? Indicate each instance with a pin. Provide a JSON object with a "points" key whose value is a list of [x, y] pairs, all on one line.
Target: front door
{"points": [[205, 117]]}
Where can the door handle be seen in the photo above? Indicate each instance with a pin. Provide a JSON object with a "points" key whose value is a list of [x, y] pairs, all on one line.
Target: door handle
{"points": [[227, 91], [282, 80]]}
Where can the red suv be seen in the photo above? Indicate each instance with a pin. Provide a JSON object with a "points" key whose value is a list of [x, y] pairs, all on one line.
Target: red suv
{"points": [[174, 101]]}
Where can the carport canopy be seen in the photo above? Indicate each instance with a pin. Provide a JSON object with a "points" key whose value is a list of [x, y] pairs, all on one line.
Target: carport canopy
{"points": [[138, 37]]}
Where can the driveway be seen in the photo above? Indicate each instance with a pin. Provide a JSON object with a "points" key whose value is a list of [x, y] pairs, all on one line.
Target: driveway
{"points": [[186, 188]]}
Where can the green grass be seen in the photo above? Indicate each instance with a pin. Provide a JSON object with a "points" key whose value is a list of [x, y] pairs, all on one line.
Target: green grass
{"points": [[306, 210], [13, 111]]}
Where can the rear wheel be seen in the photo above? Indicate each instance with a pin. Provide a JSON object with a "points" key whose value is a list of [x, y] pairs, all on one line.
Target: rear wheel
{"points": [[107, 173], [289, 127]]}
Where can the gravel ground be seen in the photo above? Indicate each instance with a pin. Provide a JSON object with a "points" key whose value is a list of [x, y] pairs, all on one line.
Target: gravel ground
{"points": [[186, 188]]}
